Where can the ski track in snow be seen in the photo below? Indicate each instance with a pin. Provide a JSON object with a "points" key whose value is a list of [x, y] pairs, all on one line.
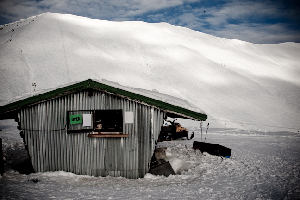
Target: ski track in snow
{"points": [[262, 166]]}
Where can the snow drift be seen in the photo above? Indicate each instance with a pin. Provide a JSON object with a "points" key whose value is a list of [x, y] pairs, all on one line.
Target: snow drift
{"points": [[236, 83]]}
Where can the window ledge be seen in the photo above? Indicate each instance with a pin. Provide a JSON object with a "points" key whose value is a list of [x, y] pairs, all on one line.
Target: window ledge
{"points": [[107, 134]]}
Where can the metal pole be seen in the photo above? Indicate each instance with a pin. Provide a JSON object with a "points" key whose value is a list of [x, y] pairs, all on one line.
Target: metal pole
{"points": [[206, 131], [1, 159], [201, 130]]}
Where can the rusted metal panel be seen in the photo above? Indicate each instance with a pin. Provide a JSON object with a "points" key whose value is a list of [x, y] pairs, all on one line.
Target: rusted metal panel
{"points": [[52, 149]]}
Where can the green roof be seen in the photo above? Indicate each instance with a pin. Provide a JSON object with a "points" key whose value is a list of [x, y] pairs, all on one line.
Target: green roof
{"points": [[171, 110]]}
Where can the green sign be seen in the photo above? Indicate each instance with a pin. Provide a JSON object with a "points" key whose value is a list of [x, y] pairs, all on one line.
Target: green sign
{"points": [[75, 119]]}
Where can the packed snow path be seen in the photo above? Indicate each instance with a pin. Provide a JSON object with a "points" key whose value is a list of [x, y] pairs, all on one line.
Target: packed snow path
{"points": [[262, 166]]}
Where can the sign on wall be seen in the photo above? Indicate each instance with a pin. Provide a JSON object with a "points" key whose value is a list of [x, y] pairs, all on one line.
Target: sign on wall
{"points": [[86, 120], [75, 119], [128, 117]]}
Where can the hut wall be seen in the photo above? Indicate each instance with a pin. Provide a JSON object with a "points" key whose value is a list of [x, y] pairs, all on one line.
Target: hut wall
{"points": [[51, 148]]}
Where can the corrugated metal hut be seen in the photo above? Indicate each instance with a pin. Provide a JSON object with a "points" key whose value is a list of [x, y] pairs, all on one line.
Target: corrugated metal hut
{"points": [[91, 128]]}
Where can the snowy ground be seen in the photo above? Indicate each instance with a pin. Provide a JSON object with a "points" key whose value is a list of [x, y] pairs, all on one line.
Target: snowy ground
{"points": [[262, 166]]}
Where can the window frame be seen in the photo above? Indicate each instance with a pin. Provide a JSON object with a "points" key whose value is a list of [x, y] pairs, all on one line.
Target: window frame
{"points": [[95, 132]]}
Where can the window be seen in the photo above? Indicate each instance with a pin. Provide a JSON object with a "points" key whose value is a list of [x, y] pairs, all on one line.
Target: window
{"points": [[80, 121], [97, 121], [108, 121]]}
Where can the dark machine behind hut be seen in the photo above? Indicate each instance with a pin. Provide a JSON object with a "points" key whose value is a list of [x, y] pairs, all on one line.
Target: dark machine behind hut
{"points": [[173, 131]]}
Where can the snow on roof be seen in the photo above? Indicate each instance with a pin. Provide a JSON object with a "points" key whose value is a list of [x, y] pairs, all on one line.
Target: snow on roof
{"points": [[140, 96]]}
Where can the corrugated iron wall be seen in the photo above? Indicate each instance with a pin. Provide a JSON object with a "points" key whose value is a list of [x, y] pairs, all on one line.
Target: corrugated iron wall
{"points": [[52, 149]]}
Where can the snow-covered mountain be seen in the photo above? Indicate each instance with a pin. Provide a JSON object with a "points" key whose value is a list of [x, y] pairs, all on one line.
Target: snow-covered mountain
{"points": [[236, 83]]}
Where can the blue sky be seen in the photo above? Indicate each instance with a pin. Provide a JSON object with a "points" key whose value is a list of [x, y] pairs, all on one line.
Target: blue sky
{"points": [[256, 21]]}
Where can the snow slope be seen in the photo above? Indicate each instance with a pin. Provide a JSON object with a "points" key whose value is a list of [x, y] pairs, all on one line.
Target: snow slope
{"points": [[238, 84]]}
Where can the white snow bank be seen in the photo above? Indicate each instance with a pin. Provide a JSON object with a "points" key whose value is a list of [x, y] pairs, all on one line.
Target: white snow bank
{"points": [[177, 164]]}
